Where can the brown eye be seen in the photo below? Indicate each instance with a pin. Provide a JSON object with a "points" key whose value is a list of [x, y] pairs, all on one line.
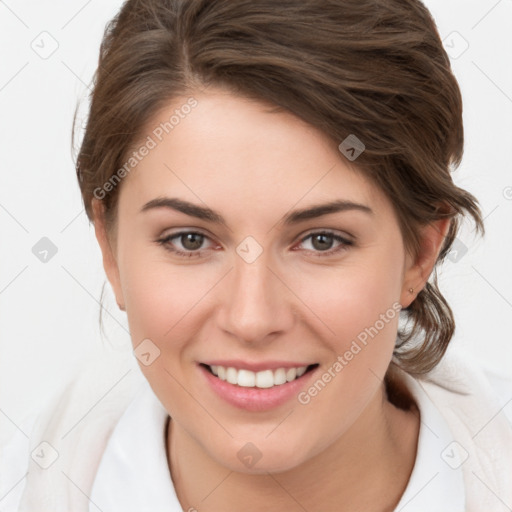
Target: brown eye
{"points": [[323, 243], [191, 241], [185, 243]]}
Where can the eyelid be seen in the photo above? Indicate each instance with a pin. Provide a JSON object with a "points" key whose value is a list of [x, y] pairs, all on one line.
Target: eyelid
{"points": [[165, 239], [326, 231], [344, 243]]}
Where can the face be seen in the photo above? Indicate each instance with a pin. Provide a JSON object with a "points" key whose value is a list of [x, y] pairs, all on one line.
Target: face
{"points": [[237, 267]]}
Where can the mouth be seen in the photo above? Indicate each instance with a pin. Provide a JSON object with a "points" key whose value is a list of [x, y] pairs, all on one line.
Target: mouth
{"points": [[263, 379], [263, 387]]}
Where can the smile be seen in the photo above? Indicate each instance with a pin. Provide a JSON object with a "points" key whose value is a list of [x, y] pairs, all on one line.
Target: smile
{"points": [[259, 389], [262, 379]]}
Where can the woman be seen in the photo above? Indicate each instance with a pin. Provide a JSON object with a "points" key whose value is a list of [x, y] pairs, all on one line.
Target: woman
{"points": [[270, 187]]}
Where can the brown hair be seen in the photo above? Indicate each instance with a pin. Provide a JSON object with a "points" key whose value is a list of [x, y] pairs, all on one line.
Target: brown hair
{"points": [[373, 68]]}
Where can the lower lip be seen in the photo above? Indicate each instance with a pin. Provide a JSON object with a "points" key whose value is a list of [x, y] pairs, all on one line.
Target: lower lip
{"points": [[256, 399]]}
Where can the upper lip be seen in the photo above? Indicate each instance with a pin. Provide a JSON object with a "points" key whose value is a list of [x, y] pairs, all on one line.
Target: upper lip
{"points": [[255, 366]]}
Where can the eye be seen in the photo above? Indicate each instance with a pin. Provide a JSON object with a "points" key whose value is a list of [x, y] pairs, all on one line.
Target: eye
{"points": [[190, 241], [323, 241]]}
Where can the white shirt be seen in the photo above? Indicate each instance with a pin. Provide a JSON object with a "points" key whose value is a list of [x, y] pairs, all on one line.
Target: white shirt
{"points": [[436, 483], [134, 475]]}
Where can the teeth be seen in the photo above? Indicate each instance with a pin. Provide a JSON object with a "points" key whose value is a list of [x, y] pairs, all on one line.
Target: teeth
{"points": [[263, 379], [231, 376], [245, 378], [279, 376], [291, 373]]}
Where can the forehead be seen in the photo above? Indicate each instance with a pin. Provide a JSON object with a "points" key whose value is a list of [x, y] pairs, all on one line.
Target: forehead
{"points": [[243, 154]]}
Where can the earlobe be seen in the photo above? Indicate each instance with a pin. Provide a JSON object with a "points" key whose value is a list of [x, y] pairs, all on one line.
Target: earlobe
{"points": [[417, 272], [109, 259]]}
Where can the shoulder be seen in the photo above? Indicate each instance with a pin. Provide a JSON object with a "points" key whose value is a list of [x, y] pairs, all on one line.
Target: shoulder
{"points": [[464, 375], [86, 409], [469, 390], [501, 385], [472, 399]]}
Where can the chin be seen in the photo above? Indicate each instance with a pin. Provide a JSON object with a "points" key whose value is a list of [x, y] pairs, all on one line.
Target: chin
{"points": [[259, 458]]}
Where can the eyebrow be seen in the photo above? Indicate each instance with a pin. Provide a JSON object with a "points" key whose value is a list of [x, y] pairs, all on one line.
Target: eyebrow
{"points": [[205, 213]]}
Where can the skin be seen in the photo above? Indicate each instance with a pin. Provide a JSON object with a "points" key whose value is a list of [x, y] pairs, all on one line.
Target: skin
{"points": [[349, 445]]}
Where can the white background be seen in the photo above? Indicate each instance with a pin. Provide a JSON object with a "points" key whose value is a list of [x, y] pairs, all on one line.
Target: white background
{"points": [[49, 311]]}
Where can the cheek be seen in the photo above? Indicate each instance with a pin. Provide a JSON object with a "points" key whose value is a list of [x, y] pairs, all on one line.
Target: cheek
{"points": [[368, 307], [360, 306], [166, 305], [160, 298], [353, 298]]}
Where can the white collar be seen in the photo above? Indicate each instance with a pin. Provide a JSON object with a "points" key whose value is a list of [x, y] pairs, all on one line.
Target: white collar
{"points": [[436, 483], [133, 474]]}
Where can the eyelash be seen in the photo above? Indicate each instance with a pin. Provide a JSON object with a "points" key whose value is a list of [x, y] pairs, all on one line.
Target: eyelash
{"points": [[345, 243]]}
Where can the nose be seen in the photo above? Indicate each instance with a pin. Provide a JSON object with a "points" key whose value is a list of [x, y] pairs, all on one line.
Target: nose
{"points": [[256, 305]]}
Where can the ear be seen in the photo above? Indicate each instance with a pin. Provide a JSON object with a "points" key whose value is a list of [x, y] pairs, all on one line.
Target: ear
{"points": [[109, 258], [418, 270]]}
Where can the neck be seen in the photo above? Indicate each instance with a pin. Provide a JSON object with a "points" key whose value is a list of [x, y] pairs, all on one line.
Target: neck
{"points": [[367, 468]]}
